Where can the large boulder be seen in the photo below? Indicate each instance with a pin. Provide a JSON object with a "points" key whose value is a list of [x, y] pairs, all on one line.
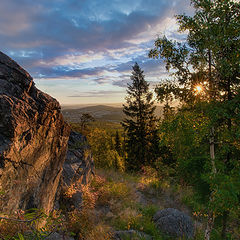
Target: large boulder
{"points": [[174, 223], [33, 141]]}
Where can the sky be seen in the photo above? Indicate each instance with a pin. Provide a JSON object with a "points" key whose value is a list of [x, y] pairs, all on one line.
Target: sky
{"points": [[82, 51]]}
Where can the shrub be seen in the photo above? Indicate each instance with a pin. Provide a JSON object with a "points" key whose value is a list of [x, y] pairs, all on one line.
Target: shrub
{"points": [[104, 153]]}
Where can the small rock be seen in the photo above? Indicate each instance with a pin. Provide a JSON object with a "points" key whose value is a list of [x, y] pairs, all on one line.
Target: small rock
{"points": [[131, 235], [174, 223], [77, 200], [58, 236]]}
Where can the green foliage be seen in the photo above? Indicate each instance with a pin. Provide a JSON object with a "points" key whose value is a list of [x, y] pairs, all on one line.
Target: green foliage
{"points": [[19, 237], [226, 190], [106, 141], [184, 134], [103, 150], [206, 72], [2, 192], [209, 58], [110, 127], [32, 224], [139, 123]]}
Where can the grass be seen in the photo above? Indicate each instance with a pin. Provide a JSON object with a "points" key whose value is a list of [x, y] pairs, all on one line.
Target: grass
{"points": [[112, 202], [121, 201], [115, 201], [118, 193]]}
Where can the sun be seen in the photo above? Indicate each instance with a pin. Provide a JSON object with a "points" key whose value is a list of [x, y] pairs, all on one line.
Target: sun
{"points": [[198, 89]]}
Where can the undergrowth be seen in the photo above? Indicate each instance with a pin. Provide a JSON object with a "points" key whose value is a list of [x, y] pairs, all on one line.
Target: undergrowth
{"points": [[113, 201]]}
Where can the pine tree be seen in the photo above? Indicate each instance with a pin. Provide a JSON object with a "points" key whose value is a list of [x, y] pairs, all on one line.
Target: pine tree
{"points": [[140, 121]]}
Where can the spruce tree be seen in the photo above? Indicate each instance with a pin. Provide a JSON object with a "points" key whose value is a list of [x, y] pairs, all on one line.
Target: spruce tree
{"points": [[139, 124]]}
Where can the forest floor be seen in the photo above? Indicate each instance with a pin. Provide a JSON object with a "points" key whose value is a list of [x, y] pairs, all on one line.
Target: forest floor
{"points": [[120, 201]]}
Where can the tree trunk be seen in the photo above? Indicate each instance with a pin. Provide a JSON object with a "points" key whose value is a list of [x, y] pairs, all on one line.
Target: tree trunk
{"points": [[209, 227], [212, 150], [210, 221]]}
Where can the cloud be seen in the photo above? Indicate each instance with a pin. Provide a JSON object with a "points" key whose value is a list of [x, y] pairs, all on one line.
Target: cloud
{"points": [[73, 59], [66, 25], [64, 73], [102, 93], [94, 41]]}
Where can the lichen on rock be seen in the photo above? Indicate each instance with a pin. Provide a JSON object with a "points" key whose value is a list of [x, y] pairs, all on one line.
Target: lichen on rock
{"points": [[174, 223]]}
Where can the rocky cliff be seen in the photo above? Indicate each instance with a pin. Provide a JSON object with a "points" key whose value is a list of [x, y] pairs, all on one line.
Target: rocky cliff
{"points": [[78, 166], [33, 141], [77, 171]]}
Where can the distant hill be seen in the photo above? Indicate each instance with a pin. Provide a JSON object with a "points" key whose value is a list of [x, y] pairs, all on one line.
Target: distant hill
{"points": [[100, 112]]}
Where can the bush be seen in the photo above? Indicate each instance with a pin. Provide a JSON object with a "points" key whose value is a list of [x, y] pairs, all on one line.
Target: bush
{"points": [[104, 153]]}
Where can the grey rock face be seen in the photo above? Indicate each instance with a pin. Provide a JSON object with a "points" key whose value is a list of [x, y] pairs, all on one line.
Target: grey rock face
{"points": [[174, 223], [33, 141], [78, 165], [77, 169], [131, 235]]}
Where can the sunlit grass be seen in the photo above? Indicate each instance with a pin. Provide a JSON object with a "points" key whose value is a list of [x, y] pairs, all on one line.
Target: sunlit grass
{"points": [[123, 201]]}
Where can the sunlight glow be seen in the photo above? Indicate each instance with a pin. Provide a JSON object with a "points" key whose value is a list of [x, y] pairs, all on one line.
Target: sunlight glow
{"points": [[198, 89]]}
